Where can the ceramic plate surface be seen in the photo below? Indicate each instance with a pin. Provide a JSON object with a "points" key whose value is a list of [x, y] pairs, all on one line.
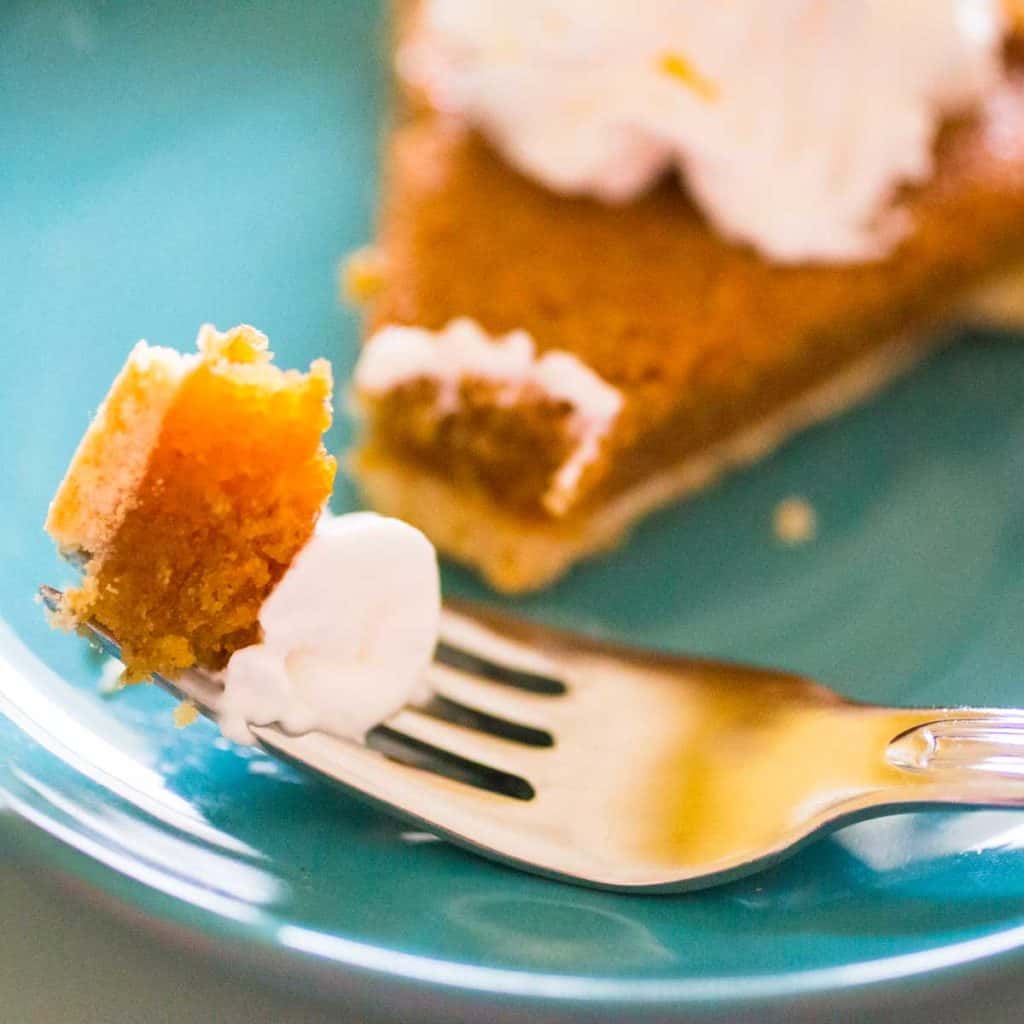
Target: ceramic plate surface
{"points": [[165, 165]]}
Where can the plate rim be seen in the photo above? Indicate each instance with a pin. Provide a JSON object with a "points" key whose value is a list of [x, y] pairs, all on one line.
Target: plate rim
{"points": [[337, 960]]}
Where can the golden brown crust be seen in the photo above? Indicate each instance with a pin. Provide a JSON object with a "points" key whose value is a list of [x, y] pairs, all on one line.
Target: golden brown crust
{"points": [[517, 553], [101, 481]]}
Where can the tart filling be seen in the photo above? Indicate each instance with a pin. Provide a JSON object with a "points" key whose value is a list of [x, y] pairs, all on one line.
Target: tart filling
{"points": [[199, 480]]}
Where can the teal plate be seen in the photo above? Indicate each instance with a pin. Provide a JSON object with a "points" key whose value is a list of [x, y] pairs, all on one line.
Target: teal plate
{"points": [[168, 164]]}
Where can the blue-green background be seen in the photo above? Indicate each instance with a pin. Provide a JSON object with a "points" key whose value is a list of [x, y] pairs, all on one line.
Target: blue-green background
{"points": [[162, 165]]}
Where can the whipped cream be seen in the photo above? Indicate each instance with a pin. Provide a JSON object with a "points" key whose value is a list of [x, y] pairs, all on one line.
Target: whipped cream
{"points": [[347, 633], [793, 123], [464, 350]]}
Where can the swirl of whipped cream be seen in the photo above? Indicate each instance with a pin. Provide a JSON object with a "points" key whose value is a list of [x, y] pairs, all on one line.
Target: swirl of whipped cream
{"points": [[793, 123]]}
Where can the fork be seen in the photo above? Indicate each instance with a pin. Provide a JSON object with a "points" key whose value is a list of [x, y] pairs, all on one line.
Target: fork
{"points": [[632, 770]]}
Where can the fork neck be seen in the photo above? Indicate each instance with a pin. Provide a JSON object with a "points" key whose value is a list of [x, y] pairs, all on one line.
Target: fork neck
{"points": [[976, 754]]}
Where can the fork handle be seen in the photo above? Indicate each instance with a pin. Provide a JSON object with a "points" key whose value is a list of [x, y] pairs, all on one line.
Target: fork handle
{"points": [[973, 748]]}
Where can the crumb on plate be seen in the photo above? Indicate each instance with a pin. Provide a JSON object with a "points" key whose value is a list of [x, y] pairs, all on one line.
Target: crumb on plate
{"points": [[185, 714], [795, 521]]}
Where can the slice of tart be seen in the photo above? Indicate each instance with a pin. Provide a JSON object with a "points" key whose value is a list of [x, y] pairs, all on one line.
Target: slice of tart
{"points": [[198, 482], [542, 370]]}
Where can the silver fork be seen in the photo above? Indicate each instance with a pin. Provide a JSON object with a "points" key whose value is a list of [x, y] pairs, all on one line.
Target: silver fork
{"points": [[631, 770]]}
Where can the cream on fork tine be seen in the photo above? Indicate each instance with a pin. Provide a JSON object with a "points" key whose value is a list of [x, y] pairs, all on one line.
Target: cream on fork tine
{"points": [[639, 771]]}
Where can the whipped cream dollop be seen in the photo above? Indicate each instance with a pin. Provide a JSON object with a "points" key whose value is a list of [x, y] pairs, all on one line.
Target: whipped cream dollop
{"points": [[347, 633], [793, 123]]}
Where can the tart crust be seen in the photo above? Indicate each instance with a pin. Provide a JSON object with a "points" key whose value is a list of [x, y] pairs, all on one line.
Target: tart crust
{"points": [[516, 554]]}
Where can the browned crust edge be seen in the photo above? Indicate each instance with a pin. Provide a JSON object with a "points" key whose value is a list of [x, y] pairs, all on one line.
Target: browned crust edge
{"points": [[517, 554]]}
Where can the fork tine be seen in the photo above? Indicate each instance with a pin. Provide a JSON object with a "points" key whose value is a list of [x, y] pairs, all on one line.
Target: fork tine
{"points": [[193, 686], [468, 644], [51, 597], [429, 798], [478, 664], [481, 748], [536, 711]]}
